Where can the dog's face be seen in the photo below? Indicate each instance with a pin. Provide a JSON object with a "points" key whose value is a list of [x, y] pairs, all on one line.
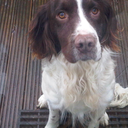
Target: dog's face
{"points": [[77, 28]]}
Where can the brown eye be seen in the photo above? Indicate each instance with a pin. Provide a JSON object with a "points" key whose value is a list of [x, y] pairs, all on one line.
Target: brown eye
{"points": [[62, 15], [95, 11]]}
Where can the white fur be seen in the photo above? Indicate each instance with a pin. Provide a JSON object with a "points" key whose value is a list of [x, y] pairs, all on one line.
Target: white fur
{"points": [[121, 97], [104, 119], [42, 102], [84, 27], [81, 88]]}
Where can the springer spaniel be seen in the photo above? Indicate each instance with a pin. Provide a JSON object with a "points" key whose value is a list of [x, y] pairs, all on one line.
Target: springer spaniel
{"points": [[75, 40]]}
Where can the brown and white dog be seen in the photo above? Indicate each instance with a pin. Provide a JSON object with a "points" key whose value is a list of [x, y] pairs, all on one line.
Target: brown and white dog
{"points": [[75, 40]]}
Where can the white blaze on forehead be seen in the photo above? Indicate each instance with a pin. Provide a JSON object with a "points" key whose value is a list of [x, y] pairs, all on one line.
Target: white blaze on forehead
{"points": [[83, 26]]}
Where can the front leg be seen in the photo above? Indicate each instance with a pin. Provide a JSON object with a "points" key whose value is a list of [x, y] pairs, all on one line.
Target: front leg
{"points": [[95, 118], [94, 124], [53, 120]]}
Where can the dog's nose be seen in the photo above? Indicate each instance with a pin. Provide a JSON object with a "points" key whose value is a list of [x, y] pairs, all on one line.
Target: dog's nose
{"points": [[85, 43]]}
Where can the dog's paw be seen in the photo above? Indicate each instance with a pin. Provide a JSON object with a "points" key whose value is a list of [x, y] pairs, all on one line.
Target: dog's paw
{"points": [[104, 119], [121, 97], [42, 102]]}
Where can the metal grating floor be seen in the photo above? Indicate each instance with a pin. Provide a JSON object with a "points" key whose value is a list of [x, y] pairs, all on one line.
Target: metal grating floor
{"points": [[33, 119], [20, 74], [38, 118]]}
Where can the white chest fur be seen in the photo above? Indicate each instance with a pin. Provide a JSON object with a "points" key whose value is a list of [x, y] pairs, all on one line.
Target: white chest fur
{"points": [[79, 87]]}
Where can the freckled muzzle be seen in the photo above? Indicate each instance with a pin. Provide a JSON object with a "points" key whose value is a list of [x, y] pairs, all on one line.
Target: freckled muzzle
{"points": [[85, 43], [85, 47]]}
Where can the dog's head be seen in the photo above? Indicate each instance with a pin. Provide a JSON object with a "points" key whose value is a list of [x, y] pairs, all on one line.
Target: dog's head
{"points": [[77, 28]]}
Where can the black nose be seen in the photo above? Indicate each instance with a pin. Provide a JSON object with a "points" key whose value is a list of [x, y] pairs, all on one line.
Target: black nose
{"points": [[85, 43]]}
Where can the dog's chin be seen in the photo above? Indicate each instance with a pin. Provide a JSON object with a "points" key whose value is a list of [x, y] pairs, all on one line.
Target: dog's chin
{"points": [[83, 57]]}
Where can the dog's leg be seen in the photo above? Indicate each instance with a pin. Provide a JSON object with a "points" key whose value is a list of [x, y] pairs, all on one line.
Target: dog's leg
{"points": [[94, 124], [42, 102], [95, 118], [104, 119], [121, 97], [53, 120]]}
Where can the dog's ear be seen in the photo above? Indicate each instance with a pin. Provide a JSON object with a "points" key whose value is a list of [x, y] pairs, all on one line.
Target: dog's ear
{"points": [[111, 36], [41, 39]]}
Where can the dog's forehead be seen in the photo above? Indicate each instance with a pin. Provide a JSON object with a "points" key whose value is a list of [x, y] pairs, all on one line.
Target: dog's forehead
{"points": [[73, 1], [65, 4], [71, 4]]}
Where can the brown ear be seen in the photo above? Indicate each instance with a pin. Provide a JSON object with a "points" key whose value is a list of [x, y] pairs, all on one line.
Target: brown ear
{"points": [[111, 36], [41, 39]]}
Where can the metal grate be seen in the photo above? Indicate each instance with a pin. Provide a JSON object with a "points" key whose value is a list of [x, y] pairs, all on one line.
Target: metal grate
{"points": [[33, 118], [38, 119], [118, 118]]}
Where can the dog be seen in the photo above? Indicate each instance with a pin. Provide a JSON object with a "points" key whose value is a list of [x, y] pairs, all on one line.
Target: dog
{"points": [[76, 40]]}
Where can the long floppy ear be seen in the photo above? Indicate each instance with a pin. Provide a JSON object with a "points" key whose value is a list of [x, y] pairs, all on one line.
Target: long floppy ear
{"points": [[41, 39], [110, 39]]}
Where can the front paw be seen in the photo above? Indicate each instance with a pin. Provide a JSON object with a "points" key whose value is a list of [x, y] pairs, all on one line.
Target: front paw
{"points": [[104, 119], [42, 102]]}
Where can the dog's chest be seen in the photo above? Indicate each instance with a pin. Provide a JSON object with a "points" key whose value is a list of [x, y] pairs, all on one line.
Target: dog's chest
{"points": [[78, 87]]}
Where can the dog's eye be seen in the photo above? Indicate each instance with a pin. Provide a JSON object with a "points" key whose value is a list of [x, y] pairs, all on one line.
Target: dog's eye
{"points": [[62, 15], [95, 11]]}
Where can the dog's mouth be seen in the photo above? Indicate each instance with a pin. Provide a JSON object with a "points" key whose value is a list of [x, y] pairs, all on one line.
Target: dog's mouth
{"points": [[75, 55], [84, 56], [82, 48]]}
